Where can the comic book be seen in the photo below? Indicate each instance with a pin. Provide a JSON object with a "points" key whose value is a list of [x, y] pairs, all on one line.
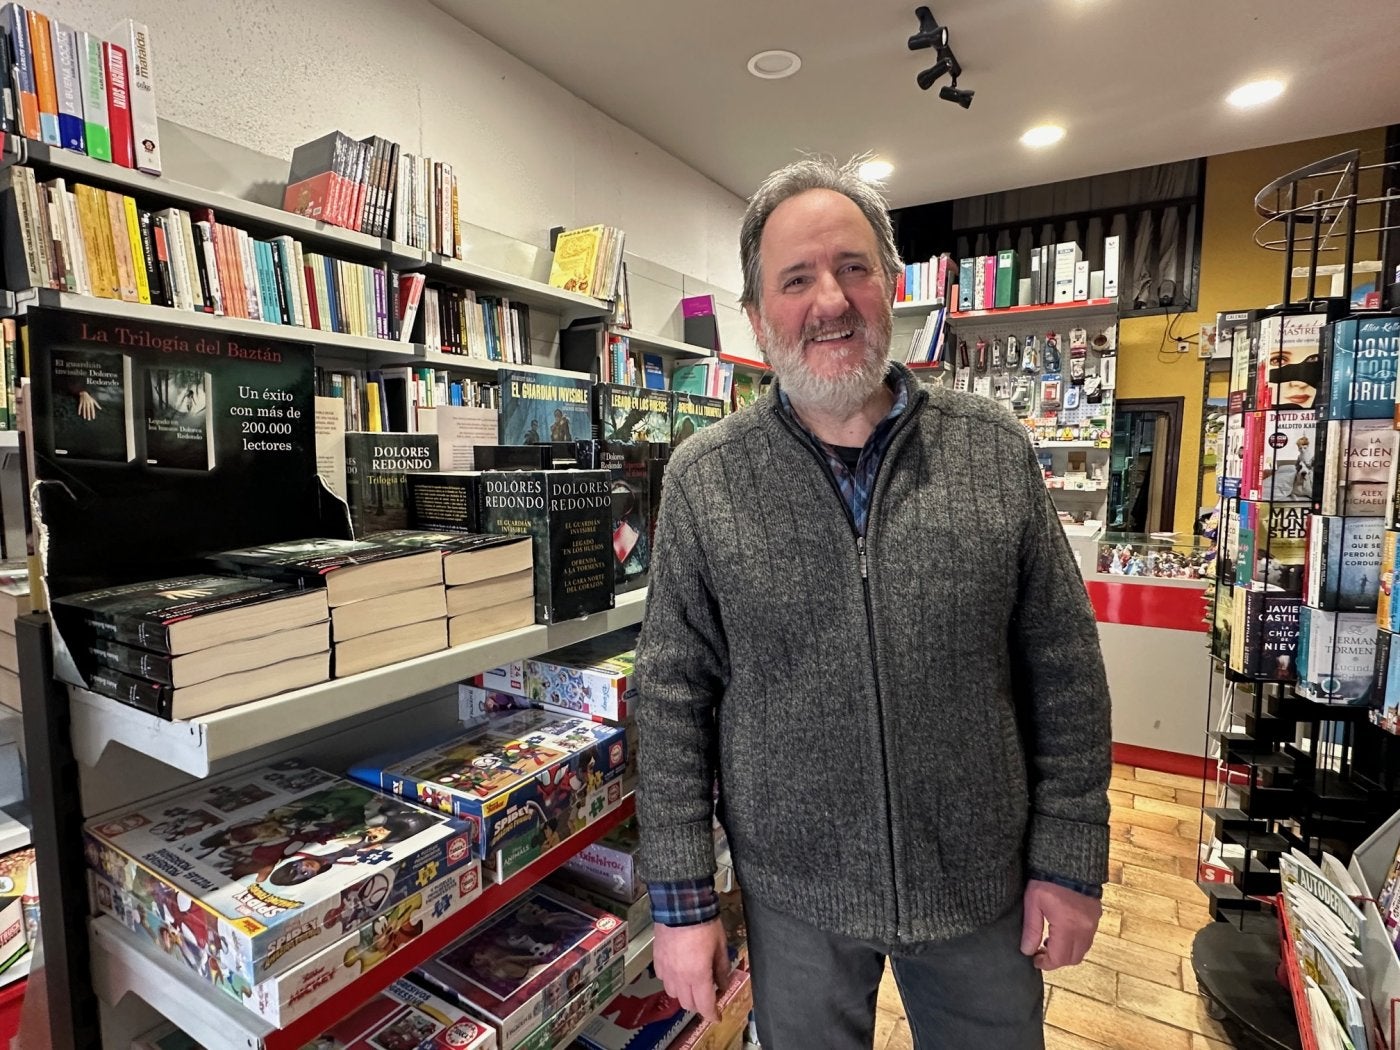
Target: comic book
{"points": [[520, 967], [526, 780], [252, 872]]}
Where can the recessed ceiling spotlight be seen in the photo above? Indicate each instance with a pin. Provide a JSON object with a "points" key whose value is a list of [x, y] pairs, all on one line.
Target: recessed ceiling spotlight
{"points": [[1043, 135], [1255, 93], [774, 65], [875, 170]]}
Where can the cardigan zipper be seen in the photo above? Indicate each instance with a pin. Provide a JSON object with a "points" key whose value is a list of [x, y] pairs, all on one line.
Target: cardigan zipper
{"points": [[916, 401]]}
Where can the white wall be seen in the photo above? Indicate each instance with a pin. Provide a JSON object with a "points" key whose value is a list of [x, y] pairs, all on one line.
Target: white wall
{"points": [[271, 74]]}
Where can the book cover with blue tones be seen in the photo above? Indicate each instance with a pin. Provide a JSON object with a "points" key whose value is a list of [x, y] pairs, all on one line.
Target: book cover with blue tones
{"points": [[1336, 656], [1345, 560], [1359, 368], [537, 406]]}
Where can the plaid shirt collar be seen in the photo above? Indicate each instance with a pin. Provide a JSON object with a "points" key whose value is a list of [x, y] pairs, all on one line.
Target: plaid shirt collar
{"points": [[858, 486]]}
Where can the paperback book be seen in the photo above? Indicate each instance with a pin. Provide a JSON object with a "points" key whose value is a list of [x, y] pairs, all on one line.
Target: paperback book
{"points": [[347, 570], [627, 413], [1357, 456], [1344, 563], [1279, 455], [692, 412], [1336, 656], [1359, 358], [377, 465], [568, 513], [1289, 370], [1272, 546], [628, 463], [538, 407], [1264, 636]]}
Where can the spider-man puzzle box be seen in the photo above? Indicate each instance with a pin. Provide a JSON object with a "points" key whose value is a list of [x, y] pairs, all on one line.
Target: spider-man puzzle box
{"points": [[284, 997], [526, 779], [253, 872], [526, 963]]}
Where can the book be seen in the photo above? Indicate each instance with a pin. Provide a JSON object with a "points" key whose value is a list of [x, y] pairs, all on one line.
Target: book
{"points": [[319, 182], [141, 85], [118, 104], [1264, 636], [691, 412], [470, 598], [215, 661], [21, 54], [1287, 358], [71, 129], [1359, 359], [92, 79], [575, 263], [177, 703], [347, 570], [1357, 457], [467, 558], [1272, 547], [330, 445], [526, 780], [625, 413], [179, 425], [92, 415], [261, 868], [1336, 656], [628, 465], [356, 619], [640, 1017], [1279, 455], [184, 614], [519, 968], [1344, 563], [491, 620], [41, 54], [568, 513], [537, 407], [405, 1016], [376, 467], [393, 645]]}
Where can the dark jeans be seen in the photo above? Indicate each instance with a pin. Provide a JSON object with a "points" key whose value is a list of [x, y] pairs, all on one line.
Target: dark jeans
{"points": [[816, 991]]}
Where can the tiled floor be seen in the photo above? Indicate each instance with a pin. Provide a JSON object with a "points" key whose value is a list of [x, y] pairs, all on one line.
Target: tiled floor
{"points": [[1135, 991]]}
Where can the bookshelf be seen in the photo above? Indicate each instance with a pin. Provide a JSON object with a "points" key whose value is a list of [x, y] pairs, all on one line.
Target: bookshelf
{"points": [[198, 745], [466, 363], [568, 305], [912, 308], [123, 965], [661, 344], [1055, 311], [746, 364]]}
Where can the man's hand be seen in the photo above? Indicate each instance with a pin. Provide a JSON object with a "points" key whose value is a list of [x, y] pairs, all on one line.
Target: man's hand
{"points": [[692, 962], [1073, 920]]}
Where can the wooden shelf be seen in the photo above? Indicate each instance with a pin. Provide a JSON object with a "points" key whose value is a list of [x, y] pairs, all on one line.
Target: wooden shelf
{"points": [[194, 746], [124, 964]]}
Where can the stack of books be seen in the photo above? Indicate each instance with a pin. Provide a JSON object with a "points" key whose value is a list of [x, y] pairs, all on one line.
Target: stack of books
{"points": [[71, 88], [588, 261], [372, 186], [387, 601], [490, 583], [14, 603], [188, 645], [291, 882]]}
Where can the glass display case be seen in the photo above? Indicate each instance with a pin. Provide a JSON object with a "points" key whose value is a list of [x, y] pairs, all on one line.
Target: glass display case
{"points": [[1159, 556]]}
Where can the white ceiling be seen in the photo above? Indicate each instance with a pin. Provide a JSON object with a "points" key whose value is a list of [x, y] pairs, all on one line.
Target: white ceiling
{"points": [[1135, 82]]}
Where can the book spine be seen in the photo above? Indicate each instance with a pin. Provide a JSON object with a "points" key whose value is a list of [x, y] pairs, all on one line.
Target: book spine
{"points": [[144, 696], [141, 88], [118, 105], [41, 43], [121, 246], [138, 256], [145, 222], [71, 130], [26, 89], [92, 77], [204, 238], [200, 301], [81, 265], [128, 660], [161, 236]]}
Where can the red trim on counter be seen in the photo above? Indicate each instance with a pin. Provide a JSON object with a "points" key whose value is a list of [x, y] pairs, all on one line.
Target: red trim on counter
{"points": [[1146, 605]]}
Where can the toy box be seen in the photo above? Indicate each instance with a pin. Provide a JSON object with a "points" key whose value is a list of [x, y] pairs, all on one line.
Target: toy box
{"points": [[641, 1017], [260, 869], [636, 914], [527, 780], [592, 679], [522, 966], [735, 1004], [507, 678], [610, 865], [578, 1009], [476, 703], [19, 909], [406, 1017], [284, 997]]}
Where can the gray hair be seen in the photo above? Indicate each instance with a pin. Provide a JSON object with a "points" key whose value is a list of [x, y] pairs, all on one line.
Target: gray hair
{"points": [[813, 173]]}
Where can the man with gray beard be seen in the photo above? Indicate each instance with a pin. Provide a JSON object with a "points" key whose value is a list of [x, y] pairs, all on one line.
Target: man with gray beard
{"points": [[865, 621]]}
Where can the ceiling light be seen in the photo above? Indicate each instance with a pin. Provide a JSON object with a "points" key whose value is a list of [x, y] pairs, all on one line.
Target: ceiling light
{"points": [[875, 170], [774, 65], [1255, 93], [1043, 135]]}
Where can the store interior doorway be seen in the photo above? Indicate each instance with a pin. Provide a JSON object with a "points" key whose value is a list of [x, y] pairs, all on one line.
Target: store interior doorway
{"points": [[1143, 464]]}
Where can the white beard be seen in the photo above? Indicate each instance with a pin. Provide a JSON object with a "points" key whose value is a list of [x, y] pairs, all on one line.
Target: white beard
{"points": [[839, 396]]}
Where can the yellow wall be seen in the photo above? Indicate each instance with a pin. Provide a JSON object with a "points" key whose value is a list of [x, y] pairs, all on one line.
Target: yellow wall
{"points": [[1235, 275]]}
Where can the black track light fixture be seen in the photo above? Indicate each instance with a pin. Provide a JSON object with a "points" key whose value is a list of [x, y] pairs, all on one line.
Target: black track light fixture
{"points": [[953, 93], [930, 33], [945, 65]]}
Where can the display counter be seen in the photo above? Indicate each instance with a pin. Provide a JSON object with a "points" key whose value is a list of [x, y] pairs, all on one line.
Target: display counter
{"points": [[1148, 595]]}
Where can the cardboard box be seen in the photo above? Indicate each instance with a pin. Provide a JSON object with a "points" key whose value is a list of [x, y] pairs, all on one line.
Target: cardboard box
{"points": [[282, 998], [404, 1015], [1081, 281], [1111, 248], [735, 1003], [610, 865], [274, 864], [524, 964], [525, 780], [598, 991], [593, 679], [644, 1017], [636, 914]]}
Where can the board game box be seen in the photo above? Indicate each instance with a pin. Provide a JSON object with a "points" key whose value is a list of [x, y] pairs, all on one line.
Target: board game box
{"points": [[526, 780], [610, 864], [283, 997], [406, 1017], [641, 1017], [523, 965], [592, 679], [553, 1033], [263, 868]]}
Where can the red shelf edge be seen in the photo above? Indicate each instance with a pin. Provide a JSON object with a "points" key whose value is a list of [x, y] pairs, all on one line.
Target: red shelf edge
{"points": [[1021, 311], [496, 896], [748, 362]]}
